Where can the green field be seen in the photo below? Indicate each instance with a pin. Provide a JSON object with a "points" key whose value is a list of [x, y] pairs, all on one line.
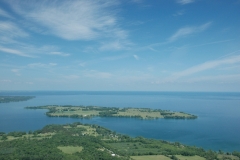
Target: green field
{"points": [[228, 157], [143, 113], [70, 149], [92, 111], [153, 157], [180, 157], [161, 157]]}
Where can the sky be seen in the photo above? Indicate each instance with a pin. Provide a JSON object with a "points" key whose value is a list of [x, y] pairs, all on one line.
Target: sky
{"points": [[120, 45]]}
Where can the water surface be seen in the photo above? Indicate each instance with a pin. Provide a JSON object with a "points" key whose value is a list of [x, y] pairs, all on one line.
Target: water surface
{"points": [[217, 126]]}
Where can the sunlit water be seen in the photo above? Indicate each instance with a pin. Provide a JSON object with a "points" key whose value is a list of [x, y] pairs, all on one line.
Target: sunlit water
{"points": [[217, 126]]}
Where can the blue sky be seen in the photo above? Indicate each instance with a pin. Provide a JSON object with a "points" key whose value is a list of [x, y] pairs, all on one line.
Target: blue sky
{"points": [[137, 45]]}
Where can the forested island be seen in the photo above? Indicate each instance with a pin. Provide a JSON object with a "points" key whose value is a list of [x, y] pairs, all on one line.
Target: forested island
{"points": [[90, 142], [93, 111], [7, 99]]}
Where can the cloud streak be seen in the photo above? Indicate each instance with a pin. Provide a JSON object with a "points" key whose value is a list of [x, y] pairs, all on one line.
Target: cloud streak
{"points": [[97, 74], [13, 51], [185, 31], [136, 57], [183, 2], [207, 66], [41, 65], [4, 14], [59, 54], [11, 30], [72, 20]]}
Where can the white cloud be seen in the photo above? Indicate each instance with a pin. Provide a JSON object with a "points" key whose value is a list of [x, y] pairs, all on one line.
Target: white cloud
{"points": [[113, 58], [97, 74], [208, 65], [179, 13], [59, 54], [183, 2], [72, 77], [13, 51], [11, 30], [41, 65], [219, 79], [73, 20], [183, 32], [16, 71], [116, 45], [232, 60], [136, 57], [4, 14], [5, 81]]}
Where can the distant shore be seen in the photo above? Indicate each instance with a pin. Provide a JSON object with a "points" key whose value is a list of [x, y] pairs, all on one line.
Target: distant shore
{"points": [[94, 111], [7, 99]]}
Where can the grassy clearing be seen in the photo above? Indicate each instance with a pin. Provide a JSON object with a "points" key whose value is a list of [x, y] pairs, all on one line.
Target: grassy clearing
{"points": [[136, 148], [181, 114], [145, 114], [220, 156], [152, 157], [189, 157], [74, 110], [30, 136], [70, 149], [89, 130]]}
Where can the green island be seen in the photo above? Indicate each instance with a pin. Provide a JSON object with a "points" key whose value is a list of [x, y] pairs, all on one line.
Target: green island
{"points": [[7, 99], [92, 142], [93, 111]]}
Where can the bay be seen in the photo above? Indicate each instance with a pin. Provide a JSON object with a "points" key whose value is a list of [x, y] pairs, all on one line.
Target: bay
{"points": [[217, 126]]}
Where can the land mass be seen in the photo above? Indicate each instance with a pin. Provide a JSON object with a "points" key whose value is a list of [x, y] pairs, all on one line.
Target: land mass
{"points": [[92, 142], [7, 99], [93, 111]]}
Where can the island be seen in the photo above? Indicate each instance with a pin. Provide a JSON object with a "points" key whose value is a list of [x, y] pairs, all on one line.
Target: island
{"points": [[93, 111], [92, 142], [7, 99]]}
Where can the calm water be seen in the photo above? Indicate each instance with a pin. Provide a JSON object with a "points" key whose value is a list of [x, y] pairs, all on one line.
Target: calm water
{"points": [[218, 125]]}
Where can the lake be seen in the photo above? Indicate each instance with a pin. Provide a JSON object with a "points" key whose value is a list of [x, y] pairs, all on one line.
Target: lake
{"points": [[217, 126]]}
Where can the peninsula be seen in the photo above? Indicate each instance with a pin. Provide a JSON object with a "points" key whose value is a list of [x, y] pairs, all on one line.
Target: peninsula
{"points": [[96, 111], [93, 142], [7, 99]]}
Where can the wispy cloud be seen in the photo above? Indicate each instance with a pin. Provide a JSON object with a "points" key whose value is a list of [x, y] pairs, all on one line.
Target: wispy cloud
{"points": [[219, 78], [59, 54], [183, 2], [180, 33], [41, 65], [11, 30], [114, 58], [27, 50], [97, 74], [72, 20], [179, 13], [210, 65], [16, 71], [136, 57], [116, 45], [4, 14], [5, 81], [185, 31], [16, 52], [209, 43], [207, 66]]}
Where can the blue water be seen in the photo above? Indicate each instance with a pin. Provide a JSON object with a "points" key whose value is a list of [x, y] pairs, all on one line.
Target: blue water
{"points": [[217, 126]]}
